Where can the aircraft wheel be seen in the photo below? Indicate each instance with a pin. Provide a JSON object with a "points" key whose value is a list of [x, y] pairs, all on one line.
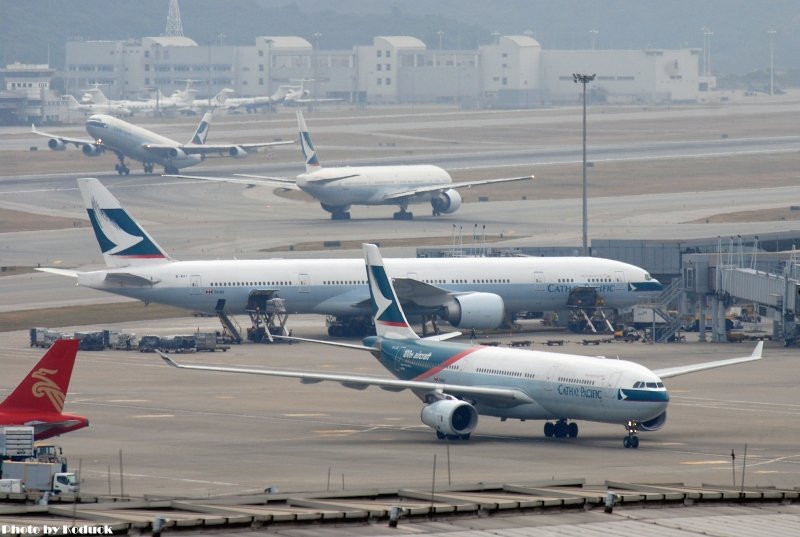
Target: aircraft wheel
{"points": [[440, 435], [572, 430], [126, 171], [627, 442], [560, 429], [465, 436], [549, 429], [634, 442]]}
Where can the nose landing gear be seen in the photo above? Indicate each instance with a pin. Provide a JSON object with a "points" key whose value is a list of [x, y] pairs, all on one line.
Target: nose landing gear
{"points": [[631, 441]]}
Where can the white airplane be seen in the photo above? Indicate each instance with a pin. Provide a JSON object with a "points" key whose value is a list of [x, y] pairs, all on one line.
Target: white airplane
{"points": [[177, 102], [298, 96], [250, 104], [89, 108], [127, 140], [478, 292], [339, 188], [459, 382]]}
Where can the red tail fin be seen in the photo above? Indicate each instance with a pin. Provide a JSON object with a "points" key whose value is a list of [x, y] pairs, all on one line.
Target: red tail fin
{"points": [[45, 387]]}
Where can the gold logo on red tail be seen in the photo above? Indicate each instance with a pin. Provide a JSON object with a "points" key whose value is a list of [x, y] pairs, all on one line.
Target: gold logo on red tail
{"points": [[46, 386]]}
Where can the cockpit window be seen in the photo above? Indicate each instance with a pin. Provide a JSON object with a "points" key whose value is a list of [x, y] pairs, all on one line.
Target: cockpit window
{"points": [[652, 385], [647, 276]]}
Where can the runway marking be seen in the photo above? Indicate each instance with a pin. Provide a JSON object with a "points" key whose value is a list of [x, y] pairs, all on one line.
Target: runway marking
{"points": [[128, 400], [705, 462], [336, 432], [224, 397], [304, 415], [154, 416]]}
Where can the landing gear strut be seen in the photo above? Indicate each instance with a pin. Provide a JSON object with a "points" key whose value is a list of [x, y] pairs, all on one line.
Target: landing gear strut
{"points": [[402, 214], [148, 167], [121, 168], [561, 429], [631, 441]]}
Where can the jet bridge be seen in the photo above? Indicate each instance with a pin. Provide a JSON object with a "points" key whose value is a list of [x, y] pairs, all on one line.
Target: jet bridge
{"points": [[771, 280]]}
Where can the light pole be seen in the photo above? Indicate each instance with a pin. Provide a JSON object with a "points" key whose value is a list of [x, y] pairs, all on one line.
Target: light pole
{"points": [[440, 33], [584, 79], [771, 34], [317, 35], [594, 32], [269, 77]]}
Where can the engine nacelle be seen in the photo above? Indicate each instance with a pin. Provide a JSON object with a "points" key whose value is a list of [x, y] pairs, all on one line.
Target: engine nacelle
{"points": [[475, 310], [446, 202], [92, 150], [237, 152], [655, 423], [177, 153], [56, 145], [450, 416]]}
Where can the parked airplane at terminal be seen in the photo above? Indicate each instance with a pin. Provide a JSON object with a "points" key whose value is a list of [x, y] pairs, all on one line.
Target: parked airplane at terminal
{"points": [[478, 292], [339, 188], [127, 140], [250, 104], [89, 108], [459, 382], [38, 401]]}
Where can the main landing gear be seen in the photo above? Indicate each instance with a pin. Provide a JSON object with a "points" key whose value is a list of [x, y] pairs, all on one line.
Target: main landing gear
{"points": [[402, 214], [631, 441], [148, 167], [561, 429], [122, 169], [442, 436]]}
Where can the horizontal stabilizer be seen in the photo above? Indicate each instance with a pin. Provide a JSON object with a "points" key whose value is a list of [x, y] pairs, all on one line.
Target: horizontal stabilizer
{"points": [[60, 272]]}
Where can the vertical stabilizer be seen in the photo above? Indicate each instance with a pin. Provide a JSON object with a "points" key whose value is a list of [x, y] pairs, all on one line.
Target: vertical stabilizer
{"points": [[122, 240], [390, 321], [44, 389], [201, 133], [312, 162]]}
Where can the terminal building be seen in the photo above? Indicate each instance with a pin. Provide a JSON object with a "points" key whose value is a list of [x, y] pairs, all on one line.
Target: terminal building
{"points": [[512, 72]]}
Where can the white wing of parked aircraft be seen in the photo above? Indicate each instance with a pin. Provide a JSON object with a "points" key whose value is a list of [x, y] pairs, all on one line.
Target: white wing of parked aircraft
{"points": [[337, 189], [127, 140]]}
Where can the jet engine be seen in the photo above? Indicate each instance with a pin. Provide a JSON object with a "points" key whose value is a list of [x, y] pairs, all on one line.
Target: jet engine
{"points": [[56, 145], [450, 416], [475, 310], [237, 152], [446, 202], [655, 423], [177, 153], [92, 150]]}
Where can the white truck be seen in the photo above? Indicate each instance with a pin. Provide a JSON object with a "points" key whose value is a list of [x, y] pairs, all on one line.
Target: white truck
{"points": [[41, 476]]}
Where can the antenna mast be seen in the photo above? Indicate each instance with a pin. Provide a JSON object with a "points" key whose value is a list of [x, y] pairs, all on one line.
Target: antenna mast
{"points": [[174, 27]]}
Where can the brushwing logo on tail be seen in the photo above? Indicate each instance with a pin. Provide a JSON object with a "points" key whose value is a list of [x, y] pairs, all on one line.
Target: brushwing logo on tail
{"points": [[308, 149], [117, 239], [47, 387], [201, 134], [388, 312]]}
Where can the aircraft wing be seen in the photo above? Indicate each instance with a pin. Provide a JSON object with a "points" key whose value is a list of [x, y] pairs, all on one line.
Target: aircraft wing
{"points": [[77, 142], [506, 395], [685, 369], [60, 272], [205, 149], [249, 180], [464, 184]]}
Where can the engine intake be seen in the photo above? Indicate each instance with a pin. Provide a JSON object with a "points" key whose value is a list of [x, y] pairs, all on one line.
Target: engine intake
{"points": [[475, 310], [450, 417], [56, 145], [177, 153], [446, 202], [655, 423], [237, 152], [92, 150]]}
